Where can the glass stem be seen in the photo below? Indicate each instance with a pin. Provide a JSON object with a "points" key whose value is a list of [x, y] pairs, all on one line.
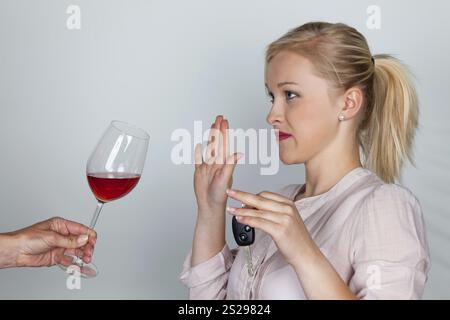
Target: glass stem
{"points": [[96, 214], [99, 207]]}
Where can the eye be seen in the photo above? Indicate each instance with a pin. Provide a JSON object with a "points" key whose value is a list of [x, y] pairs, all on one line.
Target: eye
{"points": [[270, 96], [290, 95]]}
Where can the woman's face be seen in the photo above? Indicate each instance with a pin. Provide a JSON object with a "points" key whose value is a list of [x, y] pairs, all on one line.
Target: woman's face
{"points": [[302, 109]]}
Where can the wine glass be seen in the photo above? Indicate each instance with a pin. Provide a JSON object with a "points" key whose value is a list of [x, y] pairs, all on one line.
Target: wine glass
{"points": [[113, 170]]}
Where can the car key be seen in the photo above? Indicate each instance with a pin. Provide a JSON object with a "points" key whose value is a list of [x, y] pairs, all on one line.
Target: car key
{"points": [[244, 236]]}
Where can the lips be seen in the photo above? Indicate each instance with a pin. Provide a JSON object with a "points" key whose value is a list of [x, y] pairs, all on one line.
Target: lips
{"points": [[283, 135]]}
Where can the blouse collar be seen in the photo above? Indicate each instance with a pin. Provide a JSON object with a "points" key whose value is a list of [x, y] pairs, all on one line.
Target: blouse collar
{"points": [[306, 207], [310, 203]]}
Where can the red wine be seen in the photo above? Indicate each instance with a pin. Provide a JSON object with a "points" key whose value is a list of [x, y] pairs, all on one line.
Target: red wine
{"points": [[111, 186]]}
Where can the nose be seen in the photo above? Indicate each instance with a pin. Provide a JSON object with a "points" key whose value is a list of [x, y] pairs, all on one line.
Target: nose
{"points": [[276, 115]]}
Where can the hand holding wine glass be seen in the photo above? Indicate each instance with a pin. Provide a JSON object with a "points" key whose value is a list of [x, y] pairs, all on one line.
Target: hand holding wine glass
{"points": [[113, 170], [46, 243]]}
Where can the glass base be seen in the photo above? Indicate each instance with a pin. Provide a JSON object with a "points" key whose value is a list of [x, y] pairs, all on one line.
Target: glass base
{"points": [[75, 264]]}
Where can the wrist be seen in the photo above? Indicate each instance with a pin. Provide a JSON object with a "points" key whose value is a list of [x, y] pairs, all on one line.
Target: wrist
{"points": [[209, 238], [211, 226], [211, 212], [8, 250], [310, 258], [211, 220]]}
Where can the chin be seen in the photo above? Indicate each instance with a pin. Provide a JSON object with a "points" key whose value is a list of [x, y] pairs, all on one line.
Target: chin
{"points": [[288, 159]]}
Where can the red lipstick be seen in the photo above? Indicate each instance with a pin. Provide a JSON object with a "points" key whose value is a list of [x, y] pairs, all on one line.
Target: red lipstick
{"points": [[283, 135]]}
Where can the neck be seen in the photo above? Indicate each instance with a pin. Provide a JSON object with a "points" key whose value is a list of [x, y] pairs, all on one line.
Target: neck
{"points": [[324, 170]]}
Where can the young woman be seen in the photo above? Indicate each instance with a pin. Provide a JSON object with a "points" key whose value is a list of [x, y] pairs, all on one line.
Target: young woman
{"points": [[348, 232]]}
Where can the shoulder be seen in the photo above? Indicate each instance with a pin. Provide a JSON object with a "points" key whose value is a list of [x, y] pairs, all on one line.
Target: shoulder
{"points": [[384, 211], [390, 198], [389, 218]]}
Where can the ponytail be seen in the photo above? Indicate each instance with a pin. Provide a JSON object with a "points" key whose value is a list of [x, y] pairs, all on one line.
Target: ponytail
{"points": [[388, 136]]}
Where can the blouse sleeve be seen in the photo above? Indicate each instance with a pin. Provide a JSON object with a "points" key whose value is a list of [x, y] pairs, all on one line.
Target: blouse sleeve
{"points": [[390, 252], [208, 280]]}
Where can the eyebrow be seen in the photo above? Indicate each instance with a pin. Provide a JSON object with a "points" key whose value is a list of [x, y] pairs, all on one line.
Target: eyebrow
{"points": [[280, 84]]}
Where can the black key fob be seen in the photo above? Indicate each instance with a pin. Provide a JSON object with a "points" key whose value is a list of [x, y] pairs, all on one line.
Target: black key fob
{"points": [[243, 234]]}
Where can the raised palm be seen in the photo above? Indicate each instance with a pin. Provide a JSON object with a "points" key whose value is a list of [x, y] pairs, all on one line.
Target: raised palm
{"points": [[214, 174]]}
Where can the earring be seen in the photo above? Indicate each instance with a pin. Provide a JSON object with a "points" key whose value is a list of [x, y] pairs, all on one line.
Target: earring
{"points": [[341, 117]]}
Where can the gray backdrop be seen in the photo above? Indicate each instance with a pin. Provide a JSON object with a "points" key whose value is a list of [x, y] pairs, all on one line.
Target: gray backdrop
{"points": [[162, 65]]}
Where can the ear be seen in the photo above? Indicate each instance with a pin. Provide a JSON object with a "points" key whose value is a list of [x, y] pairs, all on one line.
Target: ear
{"points": [[353, 100]]}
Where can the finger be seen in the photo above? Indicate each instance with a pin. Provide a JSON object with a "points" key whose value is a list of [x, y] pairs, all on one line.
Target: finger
{"points": [[74, 252], [221, 148], [86, 256], [259, 223], [73, 227], [55, 224], [85, 253], [275, 217], [225, 127], [55, 239], [87, 249], [198, 155], [257, 201], [209, 151], [219, 119], [88, 253], [209, 154], [87, 259], [67, 227], [215, 125], [214, 146], [92, 237], [87, 271], [64, 260], [210, 138], [69, 261], [275, 197], [231, 163]]}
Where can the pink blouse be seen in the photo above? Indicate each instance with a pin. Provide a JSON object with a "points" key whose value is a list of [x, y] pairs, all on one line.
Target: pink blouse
{"points": [[373, 234]]}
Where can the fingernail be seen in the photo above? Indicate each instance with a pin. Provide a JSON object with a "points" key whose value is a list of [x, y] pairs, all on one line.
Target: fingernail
{"points": [[229, 191], [82, 239], [230, 209], [238, 218]]}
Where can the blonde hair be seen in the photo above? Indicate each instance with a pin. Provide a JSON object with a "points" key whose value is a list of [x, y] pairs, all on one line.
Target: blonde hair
{"points": [[341, 55]]}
